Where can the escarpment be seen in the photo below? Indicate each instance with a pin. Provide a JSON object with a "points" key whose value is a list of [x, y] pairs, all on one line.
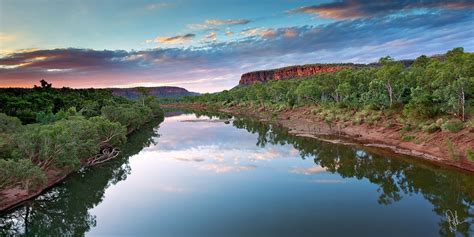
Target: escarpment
{"points": [[292, 72]]}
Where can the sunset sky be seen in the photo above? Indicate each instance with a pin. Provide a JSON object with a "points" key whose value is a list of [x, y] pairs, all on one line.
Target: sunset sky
{"points": [[206, 45]]}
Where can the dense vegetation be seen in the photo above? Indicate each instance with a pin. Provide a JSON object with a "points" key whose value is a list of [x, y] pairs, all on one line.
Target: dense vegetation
{"points": [[429, 89], [45, 129]]}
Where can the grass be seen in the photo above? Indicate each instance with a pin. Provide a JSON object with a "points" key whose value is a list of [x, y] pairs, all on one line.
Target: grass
{"points": [[451, 150], [407, 138]]}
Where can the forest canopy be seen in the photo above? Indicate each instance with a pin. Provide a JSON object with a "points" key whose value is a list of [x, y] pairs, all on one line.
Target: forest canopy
{"points": [[46, 129]]}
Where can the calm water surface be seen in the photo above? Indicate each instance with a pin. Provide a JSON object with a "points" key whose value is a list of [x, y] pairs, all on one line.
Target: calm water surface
{"points": [[197, 176]]}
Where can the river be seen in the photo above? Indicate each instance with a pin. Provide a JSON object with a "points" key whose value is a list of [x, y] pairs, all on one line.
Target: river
{"points": [[197, 175]]}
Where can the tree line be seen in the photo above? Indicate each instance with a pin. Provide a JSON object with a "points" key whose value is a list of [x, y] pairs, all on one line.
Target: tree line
{"points": [[430, 87], [46, 129]]}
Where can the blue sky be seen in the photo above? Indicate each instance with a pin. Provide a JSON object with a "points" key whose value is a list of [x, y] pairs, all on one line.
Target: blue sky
{"points": [[206, 45]]}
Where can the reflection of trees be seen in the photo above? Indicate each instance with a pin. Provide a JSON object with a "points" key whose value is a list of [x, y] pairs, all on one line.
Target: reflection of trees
{"points": [[64, 210], [445, 189]]}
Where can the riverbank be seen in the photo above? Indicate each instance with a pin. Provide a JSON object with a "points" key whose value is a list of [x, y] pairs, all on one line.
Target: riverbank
{"points": [[17, 196], [443, 148]]}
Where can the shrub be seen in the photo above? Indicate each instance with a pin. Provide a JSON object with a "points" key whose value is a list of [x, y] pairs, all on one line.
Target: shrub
{"points": [[408, 127], [453, 126], [357, 121], [430, 128], [470, 155], [407, 138], [9, 124], [389, 124], [329, 119], [20, 173]]}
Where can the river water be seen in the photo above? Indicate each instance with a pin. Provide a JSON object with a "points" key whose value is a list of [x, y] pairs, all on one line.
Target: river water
{"points": [[205, 176]]}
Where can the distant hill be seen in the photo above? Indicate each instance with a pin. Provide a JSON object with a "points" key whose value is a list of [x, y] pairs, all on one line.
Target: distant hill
{"points": [[159, 92]]}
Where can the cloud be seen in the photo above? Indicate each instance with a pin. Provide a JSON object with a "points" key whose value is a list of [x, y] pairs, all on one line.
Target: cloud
{"points": [[156, 6], [218, 65], [6, 37], [251, 32], [227, 22], [267, 33], [290, 32], [211, 36], [212, 24], [178, 39], [351, 9]]}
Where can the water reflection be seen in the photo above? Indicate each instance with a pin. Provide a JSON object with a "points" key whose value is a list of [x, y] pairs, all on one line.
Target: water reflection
{"points": [[201, 160], [446, 190]]}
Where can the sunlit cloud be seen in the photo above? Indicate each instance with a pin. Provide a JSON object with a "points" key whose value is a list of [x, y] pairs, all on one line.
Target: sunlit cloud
{"points": [[178, 39], [227, 22], [58, 70], [268, 33], [351, 9], [211, 36], [251, 32], [211, 24], [6, 37]]}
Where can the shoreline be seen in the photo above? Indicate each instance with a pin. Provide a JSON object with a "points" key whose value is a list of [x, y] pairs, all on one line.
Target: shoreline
{"points": [[301, 122], [15, 197]]}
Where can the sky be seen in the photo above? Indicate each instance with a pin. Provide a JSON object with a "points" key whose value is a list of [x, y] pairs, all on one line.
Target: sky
{"points": [[206, 45]]}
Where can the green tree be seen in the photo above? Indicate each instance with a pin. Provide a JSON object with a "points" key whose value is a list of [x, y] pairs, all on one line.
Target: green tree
{"points": [[144, 93], [389, 75]]}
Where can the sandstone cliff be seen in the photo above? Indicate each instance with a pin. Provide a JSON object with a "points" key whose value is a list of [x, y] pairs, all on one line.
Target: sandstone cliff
{"points": [[292, 72]]}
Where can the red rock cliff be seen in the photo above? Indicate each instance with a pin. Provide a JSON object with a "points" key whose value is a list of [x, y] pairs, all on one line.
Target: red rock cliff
{"points": [[290, 72]]}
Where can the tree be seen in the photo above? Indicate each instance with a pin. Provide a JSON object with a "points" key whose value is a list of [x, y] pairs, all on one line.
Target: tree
{"points": [[144, 93], [308, 90], [111, 133], [454, 82], [48, 145], [43, 85], [388, 75], [21, 173]]}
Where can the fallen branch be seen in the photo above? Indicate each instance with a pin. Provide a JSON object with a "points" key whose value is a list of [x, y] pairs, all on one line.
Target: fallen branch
{"points": [[107, 154]]}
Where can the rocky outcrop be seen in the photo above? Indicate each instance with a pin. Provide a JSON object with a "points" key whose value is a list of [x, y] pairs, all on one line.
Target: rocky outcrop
{"points": [[292, 72], [160, 92]]}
